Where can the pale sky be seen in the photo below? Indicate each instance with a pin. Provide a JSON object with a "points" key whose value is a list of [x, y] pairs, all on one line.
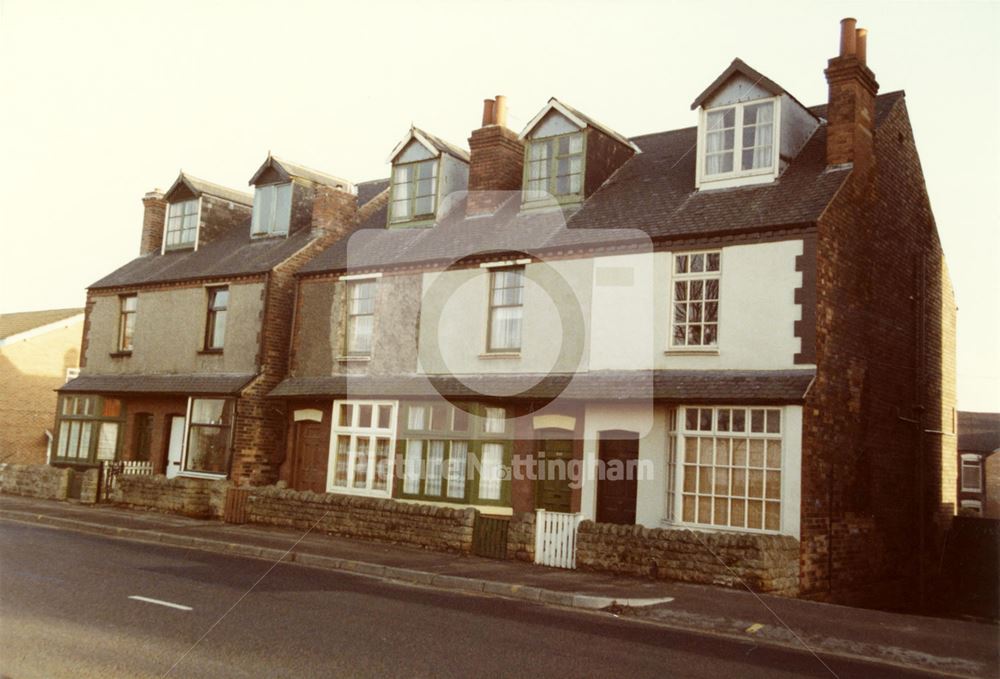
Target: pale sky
{"points": [[103, 101]]}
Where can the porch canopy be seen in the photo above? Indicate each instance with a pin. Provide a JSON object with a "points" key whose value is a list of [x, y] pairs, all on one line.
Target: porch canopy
{"points": [[681, 386], [182, 385]]}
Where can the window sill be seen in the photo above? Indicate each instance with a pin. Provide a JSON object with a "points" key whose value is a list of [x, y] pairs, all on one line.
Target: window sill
{"points": [[210, 352], [202, 475], [692, 351], [354, 359], [120, 354], [490, 355], [179, 248], [264, 235]]}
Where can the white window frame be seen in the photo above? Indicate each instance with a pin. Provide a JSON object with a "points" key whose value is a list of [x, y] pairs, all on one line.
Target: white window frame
{"points": [[972, 504], [970, 460], [353, 431], [738, 176], [790, 471], [702, 276], [258, 226], [166, 227]]}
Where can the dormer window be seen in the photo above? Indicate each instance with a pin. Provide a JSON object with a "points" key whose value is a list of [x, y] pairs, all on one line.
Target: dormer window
{"points": [[414, 191], [272, 209], [182, 224], [554, 167], [739, 140]]}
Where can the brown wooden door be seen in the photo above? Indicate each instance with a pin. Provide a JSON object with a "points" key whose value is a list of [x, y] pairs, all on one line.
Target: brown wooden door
{"points": [[616, 491], [554, 459], [143, 445], [311, 456]]}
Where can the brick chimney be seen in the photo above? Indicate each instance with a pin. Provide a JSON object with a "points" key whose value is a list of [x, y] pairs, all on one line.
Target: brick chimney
{"points": [[851, 110], [496, 160], [334, 211], [153, 220]]}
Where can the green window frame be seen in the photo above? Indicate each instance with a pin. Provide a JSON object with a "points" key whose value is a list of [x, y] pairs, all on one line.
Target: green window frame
{"points": [[454, 453], [414, 191], [89, 429], [555, 166]]}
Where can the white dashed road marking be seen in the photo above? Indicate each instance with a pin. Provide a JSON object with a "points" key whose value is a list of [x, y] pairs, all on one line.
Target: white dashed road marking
{"points": [[161, 603]]}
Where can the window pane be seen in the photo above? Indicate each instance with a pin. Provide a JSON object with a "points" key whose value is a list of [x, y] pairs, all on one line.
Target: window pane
{"points": [[364, 416], [490, 471], [208, 411], [346, 415], [460, 420], [208, 449], [361, 461], [384, 417], [63, 438], [412, 464], [340, 463], [435, 468], [381, 464], [282, 209], [456, 469], [107, 442], [496, 421], [416, 418]]}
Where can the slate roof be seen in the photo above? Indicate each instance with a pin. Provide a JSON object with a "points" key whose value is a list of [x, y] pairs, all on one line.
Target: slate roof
{"points": [[200, 186], [563, 107], [653, 192], [689, 386], [978, 432], [291, 169], [444, 146], [16, 323], [743, 68], [199, 383]]}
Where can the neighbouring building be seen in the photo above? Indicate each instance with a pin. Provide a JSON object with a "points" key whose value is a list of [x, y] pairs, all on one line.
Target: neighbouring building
{"points": [[751, 315], [182, 344], [979, 467], [39, 351]]}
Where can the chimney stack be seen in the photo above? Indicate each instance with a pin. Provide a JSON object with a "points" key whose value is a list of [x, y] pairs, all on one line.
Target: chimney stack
{"points": [[496, 160], [851, 109], [154, 219]]}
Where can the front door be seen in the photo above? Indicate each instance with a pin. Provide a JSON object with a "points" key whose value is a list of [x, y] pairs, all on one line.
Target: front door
{"points": [[311, 456], [554, 459], [617, 484], [143, 437], [175, 445]]}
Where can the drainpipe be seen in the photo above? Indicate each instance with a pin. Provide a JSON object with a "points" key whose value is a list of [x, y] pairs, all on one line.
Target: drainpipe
{"points": [[48, 447]]}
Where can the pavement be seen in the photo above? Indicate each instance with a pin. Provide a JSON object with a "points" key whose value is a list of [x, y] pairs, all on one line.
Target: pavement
{"points": [[941, 646]]}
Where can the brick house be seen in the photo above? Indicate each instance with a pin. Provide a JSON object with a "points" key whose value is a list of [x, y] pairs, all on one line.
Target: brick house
{"points": [[182, 344], [979, 467], [754, 311], [39, 350], [741, 331]]}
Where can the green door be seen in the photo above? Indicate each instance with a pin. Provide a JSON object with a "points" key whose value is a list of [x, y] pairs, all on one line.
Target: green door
{"points": [[553, 459]]}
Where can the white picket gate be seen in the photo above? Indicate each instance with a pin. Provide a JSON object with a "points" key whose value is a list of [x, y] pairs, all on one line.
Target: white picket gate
{"points": [[555, 538]]}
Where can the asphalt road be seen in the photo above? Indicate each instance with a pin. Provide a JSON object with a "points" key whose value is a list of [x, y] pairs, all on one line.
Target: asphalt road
{"points": [[65, 611]]}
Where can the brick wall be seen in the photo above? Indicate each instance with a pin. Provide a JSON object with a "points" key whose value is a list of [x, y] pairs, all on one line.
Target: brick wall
{"points": [[259, 431], [35, 480], [218, 216], [765, 563], [437, 528], [496, 163], [885, 349], [198, 498], [30, 372]]}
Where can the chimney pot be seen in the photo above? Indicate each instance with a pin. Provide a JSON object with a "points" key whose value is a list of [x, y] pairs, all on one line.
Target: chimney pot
{"points": [[500, 111], [489, 110], [862, 45], [848, 37]]}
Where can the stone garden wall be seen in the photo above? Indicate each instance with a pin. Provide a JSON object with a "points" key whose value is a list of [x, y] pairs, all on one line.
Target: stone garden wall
{"points": [[35, 480], [766, 563], [521, 537], [437, 528], [199, 498]]}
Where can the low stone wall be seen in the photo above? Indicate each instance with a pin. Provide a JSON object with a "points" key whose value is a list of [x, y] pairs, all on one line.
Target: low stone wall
{"points": [[766, 563], [199, 498], [89, 486], [437, 528], [35, 480], [521, 537]]}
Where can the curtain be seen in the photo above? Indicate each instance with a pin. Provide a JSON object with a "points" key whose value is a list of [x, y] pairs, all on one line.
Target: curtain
{"points": [[490, 471], [411, 466], [761, 117]]}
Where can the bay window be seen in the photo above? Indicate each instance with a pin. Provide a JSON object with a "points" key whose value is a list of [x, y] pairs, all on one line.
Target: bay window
{"points": [[729, 465], [455, 453], [361, 454], [209, 439], [89, 429]]}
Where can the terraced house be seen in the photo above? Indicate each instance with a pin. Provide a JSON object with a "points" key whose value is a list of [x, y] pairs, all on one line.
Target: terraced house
{"points": [[751, 317]]}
